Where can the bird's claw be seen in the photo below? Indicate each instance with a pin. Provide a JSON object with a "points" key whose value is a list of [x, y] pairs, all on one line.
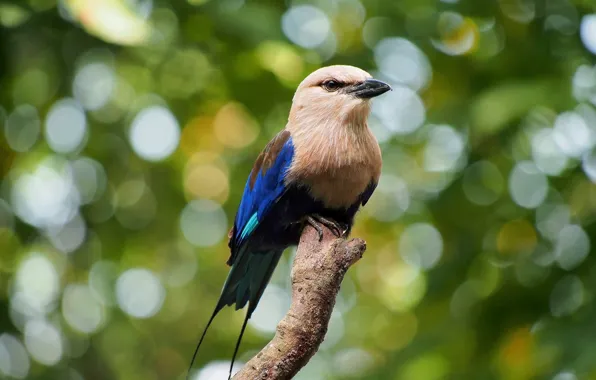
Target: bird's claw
{"points": [[336, 228], [310, 220]]}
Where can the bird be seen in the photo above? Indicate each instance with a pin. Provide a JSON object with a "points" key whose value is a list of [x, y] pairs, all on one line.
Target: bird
{"points": [[318, 171]]}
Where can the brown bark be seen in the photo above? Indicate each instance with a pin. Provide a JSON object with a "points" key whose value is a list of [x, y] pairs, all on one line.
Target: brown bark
{"points": [[319, 268]]}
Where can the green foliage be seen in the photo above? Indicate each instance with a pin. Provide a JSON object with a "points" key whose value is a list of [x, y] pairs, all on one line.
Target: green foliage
{"points": [[130, 127]]}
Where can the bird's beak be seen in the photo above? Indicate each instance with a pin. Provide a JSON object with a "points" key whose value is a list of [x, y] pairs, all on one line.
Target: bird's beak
{"points": [[368, 89]]}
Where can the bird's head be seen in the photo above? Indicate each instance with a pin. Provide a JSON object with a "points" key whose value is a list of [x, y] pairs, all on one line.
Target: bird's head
{"points": [[336, 91]]}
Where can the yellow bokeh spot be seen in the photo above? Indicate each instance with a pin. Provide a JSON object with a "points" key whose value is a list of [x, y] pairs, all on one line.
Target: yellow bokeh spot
{"points": [[466, 35], [458, 35], [282, 60], [206, 181], [403, 287], [516, 236], [206, 176], [198, 135], [515, 356], [234, 126], [111, 20]]}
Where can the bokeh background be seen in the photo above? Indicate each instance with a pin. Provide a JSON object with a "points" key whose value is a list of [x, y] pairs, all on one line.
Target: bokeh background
{"points": [[130, 126]]}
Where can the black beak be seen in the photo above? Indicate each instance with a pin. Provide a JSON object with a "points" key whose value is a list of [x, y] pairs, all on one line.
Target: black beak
{"points": [[368, 89]]}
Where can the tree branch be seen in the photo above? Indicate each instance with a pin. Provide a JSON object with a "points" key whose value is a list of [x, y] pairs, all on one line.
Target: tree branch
{"points": [[319, 268]]}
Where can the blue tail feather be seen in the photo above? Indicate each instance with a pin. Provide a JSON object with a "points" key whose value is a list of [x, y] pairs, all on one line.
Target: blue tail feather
{"points": [[246, 282], [259, 278]]}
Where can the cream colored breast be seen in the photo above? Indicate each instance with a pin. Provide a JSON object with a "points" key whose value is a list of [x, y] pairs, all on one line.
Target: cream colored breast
{"points": [[337, 165]]}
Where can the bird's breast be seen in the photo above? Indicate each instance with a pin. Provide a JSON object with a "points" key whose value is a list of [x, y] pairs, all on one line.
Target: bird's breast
{"points": [[340, 188], [336, 171]]}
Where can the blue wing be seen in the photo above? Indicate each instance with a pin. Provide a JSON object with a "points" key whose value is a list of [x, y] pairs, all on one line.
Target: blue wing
{"points": [[263, 188]]}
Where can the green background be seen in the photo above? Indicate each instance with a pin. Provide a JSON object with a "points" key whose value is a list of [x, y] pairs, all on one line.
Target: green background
{"points": [[129, 128]]}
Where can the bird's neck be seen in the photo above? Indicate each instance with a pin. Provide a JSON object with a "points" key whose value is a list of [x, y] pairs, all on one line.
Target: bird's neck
{"points": [[338, 136], [317, 116]]}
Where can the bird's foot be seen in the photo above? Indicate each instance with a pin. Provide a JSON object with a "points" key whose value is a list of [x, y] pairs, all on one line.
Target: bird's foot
{"points": [[336, 228]]}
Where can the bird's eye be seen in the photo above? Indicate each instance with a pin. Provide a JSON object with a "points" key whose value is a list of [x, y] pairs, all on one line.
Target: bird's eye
{"points": [[332, 85]]}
